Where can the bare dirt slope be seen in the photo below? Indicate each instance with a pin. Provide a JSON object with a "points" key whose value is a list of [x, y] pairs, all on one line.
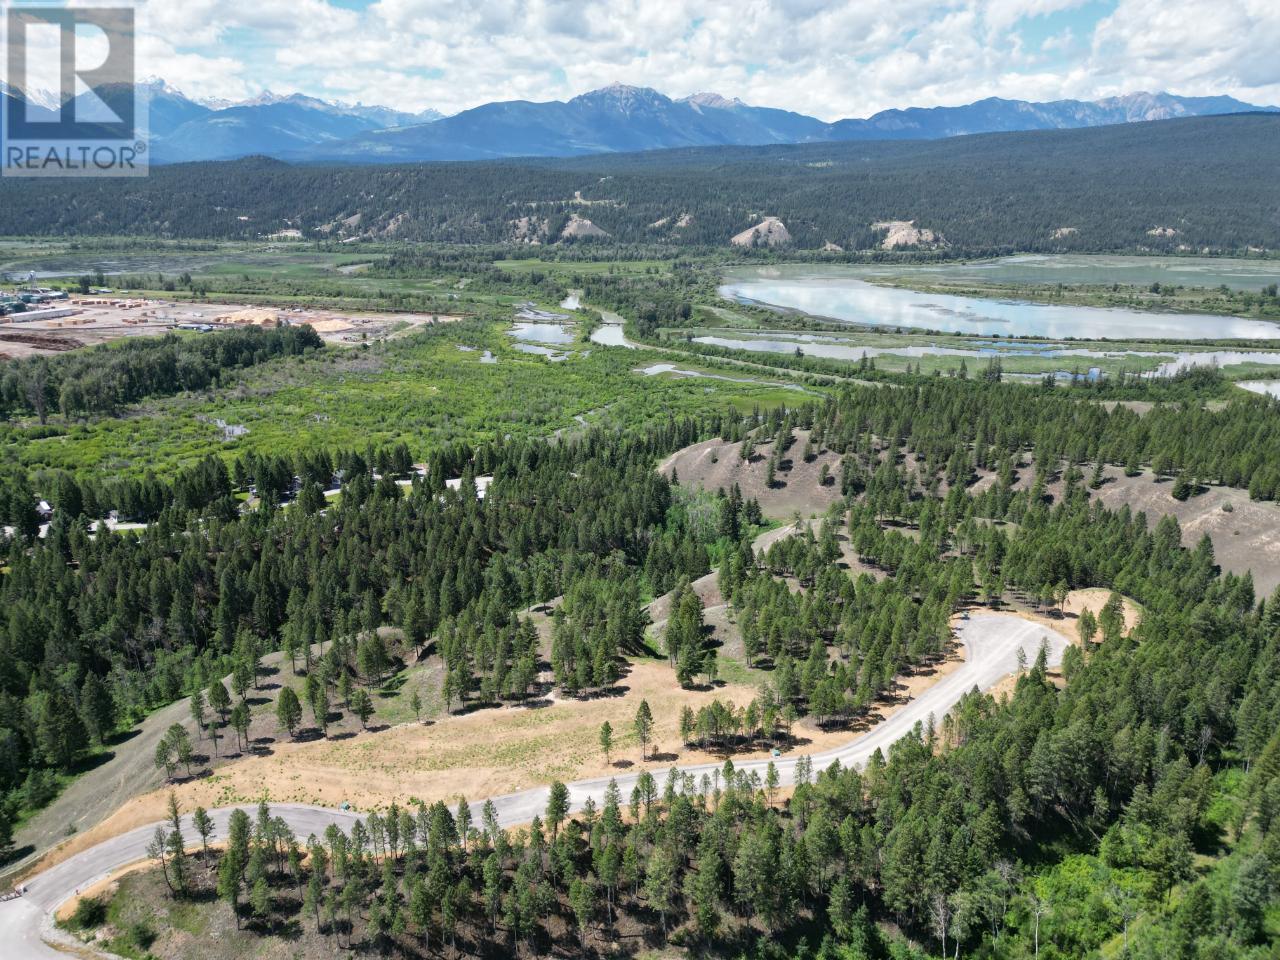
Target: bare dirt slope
{"points": [[848, 557], [1246, 538], [131, 769], [905, 233], [707, 588], [1245, 533], [716, 465], [769, 232], [95, 794]]}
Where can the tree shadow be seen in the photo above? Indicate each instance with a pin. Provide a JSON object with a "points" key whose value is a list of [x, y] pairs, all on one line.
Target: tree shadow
{"points": [[392, 687], [18, 853], [123, 736], [92, 761]]}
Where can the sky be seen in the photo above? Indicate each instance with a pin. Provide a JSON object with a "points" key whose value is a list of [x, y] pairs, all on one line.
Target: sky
{"points": [[826, 58]]}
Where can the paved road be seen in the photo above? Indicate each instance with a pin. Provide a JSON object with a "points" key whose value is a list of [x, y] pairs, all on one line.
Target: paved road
{"points": [[992, 642]]}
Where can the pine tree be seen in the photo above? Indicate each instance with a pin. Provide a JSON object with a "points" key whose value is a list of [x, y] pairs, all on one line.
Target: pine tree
{"points": [[606, 739], [204, 827], [362, 706], [288, 710], [644, 726], [97, 711]]}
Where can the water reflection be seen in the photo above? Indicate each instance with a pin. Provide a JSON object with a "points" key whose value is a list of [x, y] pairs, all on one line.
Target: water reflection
{"points": [[1268, 388], [842, 296], [610, 335], [541, 332]]}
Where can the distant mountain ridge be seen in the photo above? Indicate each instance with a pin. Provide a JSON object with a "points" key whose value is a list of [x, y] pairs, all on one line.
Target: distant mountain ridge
{"points": [[994, 115], [620, 119], [613, 119], [184, 129]]}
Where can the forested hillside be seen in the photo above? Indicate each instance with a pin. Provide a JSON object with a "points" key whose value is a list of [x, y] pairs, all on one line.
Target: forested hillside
{"points": [[1194, 184], [1052, 822]]}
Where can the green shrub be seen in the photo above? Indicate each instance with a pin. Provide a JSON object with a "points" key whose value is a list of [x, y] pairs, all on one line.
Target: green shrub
{"points": [[90, 912], [142, 935]]}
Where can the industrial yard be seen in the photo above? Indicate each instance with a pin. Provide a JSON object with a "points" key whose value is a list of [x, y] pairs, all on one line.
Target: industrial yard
{"points": [[40, 321]]}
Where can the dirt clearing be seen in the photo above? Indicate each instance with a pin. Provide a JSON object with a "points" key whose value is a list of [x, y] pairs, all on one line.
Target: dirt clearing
{"points": [[1090, 598]]}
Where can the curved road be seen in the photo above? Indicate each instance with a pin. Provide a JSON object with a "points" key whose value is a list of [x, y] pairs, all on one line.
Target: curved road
{"points": [[992, 643]]}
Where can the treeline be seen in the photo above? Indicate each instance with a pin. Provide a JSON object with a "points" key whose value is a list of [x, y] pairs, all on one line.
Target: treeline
{"points": [[102, 380], [958, 426], [988, 194]]}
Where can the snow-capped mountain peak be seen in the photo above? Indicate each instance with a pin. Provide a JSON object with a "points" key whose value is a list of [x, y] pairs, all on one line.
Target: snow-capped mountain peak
{"points": [[713, 101]]}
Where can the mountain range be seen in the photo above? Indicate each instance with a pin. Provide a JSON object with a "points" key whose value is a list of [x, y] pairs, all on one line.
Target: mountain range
{"points": [[613, 119], [184, 129]]}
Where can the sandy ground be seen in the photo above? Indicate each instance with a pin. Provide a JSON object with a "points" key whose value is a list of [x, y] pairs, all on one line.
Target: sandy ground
{"points": [[484, 753], [1094, 599], [715, 465]]}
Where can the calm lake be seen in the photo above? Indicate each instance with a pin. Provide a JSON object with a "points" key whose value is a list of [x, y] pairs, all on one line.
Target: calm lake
{"points": [[1268, 388], [1096, 268], [841, 293]]}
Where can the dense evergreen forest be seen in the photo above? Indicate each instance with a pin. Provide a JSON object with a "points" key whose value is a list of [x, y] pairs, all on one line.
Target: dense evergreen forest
{"points": [[1208, 180], [1051, 822]]}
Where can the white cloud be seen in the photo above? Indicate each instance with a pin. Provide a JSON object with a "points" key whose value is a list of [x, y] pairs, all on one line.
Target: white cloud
{"points": [[1190, 47], [830, 58], [1059, 41]]}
